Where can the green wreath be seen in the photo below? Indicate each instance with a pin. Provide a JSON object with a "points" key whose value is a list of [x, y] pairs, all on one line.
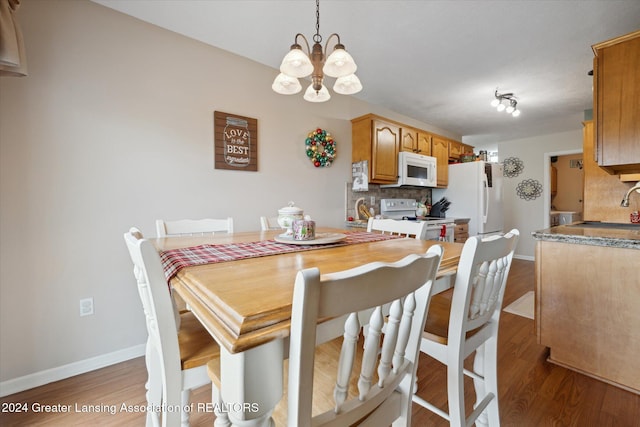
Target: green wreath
{"points": [[321, 148]]}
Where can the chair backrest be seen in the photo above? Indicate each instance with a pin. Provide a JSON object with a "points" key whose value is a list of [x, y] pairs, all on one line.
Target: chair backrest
{"points": [[404, 228], [480, 283], [162, 344], [269, 223], [361, 296], [193, 227]]}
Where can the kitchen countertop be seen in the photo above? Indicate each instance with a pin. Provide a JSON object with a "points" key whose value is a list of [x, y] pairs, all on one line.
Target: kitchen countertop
{"points": [[611, 237], [363, 224], [358, 223]]}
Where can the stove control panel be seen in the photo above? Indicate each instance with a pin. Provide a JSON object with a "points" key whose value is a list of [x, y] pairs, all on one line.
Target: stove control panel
{"points": [[395, 205]]}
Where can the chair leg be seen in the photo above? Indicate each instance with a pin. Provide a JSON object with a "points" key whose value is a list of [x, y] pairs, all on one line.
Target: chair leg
{"points": [[184, 414], [491, 415], [479, 385], [153, 385], [455, 391]]}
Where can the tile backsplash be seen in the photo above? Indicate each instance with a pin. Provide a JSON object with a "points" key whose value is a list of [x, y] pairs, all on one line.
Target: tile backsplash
{"points": [[380, 193]]}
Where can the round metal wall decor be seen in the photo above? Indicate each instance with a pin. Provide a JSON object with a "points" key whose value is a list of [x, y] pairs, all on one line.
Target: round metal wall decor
{"points": [[512, 167], [529, 189]]}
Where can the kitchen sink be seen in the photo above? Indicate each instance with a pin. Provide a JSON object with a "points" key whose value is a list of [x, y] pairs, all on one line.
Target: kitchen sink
{"points": [[608, 225]]}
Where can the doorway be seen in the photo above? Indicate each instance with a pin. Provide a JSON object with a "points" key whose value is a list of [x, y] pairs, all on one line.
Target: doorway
{"points": [[568, 196]]}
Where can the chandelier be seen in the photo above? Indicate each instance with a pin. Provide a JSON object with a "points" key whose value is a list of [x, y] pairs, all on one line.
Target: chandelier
{"points": [[510, 103], [315, 63]]}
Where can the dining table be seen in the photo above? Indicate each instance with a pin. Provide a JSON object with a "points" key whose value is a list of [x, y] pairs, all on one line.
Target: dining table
{"points": [[240, 287]]}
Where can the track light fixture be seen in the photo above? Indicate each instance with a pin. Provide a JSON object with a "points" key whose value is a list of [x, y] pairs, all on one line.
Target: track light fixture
{"points": [[506, 102], [315, 63]]}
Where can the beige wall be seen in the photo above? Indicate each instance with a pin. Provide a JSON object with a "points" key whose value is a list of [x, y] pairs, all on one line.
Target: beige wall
{"points": [[570, 184], [112, 129]]}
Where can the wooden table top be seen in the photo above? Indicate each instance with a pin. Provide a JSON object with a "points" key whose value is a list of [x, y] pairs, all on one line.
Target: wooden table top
{"points": [[245, 303]]}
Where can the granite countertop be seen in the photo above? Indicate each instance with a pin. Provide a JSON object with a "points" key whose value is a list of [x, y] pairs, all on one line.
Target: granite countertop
{"points": [[363, 224], [574, 233], [358, 223]]}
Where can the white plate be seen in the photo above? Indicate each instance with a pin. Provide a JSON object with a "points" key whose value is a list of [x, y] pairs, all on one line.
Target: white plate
{"points": [[321, 239]]}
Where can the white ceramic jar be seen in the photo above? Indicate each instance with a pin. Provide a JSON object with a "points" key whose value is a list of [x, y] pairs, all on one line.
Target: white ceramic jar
{"points": [[287, 215]]}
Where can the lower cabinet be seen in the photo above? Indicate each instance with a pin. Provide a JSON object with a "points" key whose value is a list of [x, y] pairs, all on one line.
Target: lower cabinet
{"points": [[587, 310], [461, 233]]}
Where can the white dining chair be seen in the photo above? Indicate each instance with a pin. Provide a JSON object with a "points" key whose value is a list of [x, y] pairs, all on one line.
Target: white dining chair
{"points": [[269, 223], [177, 349], [382, 383], [414, 229], [472, 325], [193, 227]]}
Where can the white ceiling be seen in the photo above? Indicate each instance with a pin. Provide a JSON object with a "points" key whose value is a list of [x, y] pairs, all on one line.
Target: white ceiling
{"points": [[438, 62]]}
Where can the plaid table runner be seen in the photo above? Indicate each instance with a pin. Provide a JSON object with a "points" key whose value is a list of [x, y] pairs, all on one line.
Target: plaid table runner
{"points": [[175, 259]]}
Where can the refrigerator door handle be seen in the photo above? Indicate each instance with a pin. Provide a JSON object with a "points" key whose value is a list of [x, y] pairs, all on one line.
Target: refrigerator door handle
{"points": [[485, 199]]}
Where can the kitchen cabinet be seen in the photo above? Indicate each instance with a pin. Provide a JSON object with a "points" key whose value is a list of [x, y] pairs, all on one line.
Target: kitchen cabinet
{"points": [[440, 150], [553, 173], [377, 141], [415, 141], [616, 91], [461, 232], [586, 309], [458, 149]]}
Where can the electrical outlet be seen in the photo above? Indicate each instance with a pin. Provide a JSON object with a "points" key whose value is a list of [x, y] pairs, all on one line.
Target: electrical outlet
{"points": [[86, 307], [372, 201]]}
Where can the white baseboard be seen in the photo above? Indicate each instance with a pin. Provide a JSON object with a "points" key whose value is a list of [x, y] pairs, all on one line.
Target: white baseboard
{"points": [[66, 371], [524, 257]]}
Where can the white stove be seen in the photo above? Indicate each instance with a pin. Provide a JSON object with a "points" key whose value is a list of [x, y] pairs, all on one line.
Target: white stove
{"points": [[405, 209], [398, 208]]}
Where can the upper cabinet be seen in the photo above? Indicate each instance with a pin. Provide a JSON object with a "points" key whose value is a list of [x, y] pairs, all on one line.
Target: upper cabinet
{"points": [[378, 141], [458, 149], [416, 141], [440, 150], [616, 103]]}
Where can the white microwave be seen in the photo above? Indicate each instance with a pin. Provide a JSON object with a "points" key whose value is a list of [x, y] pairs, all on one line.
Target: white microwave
{"points": [[415, 170]]}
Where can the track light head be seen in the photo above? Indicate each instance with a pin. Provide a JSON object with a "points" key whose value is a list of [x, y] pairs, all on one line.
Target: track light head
{"points": [[511, 108]]}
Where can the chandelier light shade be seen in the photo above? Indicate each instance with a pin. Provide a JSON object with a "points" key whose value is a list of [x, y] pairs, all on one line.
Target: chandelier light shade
{"points": [[286, 85], [347, 85], [320, 95], [314, 62], [296, 63], [510, 104]]}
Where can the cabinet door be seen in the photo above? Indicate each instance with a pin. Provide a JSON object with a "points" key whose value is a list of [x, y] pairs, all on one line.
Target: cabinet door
{"points": [[416, 141], [440, 150], [385, 147], [424, 143], [617, 111], [409, 140], [455, 150]]}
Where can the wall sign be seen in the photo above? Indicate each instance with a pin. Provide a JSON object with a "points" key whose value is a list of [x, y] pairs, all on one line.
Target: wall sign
{"points": [[235, 142]]}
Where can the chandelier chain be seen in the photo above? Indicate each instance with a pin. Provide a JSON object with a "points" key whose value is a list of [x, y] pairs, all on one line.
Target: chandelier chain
{"points": [[317, 37]]}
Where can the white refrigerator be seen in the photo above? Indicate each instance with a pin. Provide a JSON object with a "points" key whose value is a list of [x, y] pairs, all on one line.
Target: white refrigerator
{"points": [[475, 192]]}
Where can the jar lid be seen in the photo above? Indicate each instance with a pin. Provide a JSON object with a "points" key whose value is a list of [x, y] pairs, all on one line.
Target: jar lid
{"points": [[291, 210]]}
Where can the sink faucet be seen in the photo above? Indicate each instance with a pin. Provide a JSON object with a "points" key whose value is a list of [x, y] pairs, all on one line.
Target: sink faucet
{"points": [[625, 201]]}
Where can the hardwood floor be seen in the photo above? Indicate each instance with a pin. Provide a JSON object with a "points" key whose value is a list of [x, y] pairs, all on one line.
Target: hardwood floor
{"points": [[533, 392]]}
